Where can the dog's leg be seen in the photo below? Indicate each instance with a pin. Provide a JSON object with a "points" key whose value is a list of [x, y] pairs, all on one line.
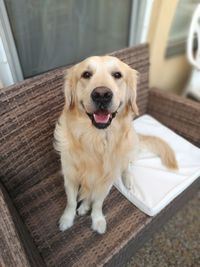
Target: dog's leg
{"points": [[84, 207], [128, 178], [98, 219], [67, 219]]}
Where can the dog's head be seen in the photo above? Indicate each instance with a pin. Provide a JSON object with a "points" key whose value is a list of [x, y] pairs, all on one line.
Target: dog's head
{"points": [[99, 88]]}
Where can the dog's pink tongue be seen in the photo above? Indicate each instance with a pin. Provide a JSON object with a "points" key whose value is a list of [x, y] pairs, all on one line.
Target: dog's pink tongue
{"points": [[101, 118]]}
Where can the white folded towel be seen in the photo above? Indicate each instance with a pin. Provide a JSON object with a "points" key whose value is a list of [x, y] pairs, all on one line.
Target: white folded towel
{"points": [[155, 186]]}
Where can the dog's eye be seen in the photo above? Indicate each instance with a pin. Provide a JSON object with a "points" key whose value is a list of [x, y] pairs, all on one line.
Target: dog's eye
{"points": [[117, 75], [86, 74]]}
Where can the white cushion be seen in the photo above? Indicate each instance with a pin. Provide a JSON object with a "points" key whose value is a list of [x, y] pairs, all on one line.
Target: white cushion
{"points": [[155, 186]]}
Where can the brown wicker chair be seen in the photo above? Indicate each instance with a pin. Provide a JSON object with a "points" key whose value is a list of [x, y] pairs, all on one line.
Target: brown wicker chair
{"points": [[32, 195]]}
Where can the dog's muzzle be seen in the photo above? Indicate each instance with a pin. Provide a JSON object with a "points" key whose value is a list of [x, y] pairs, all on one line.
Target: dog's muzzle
{"points": [[102, 97]]}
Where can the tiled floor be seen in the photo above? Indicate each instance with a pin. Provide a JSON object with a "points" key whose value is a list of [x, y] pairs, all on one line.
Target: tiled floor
{"points": [[177, 243]]}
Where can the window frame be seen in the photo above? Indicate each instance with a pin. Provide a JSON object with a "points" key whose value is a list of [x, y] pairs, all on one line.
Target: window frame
{"points": [[138, 31]]}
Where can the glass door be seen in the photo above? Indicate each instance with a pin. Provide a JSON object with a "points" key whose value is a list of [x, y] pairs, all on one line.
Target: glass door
{"points": [[49, 34]]}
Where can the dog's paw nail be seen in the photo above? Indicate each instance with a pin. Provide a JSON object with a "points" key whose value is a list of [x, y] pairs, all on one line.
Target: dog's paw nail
{"points": [[65, 223], [128, 182], [130, 187], [99, 226]]}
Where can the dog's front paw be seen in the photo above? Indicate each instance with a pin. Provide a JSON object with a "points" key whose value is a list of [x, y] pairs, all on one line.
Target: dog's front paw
{"points": [[99, 225], [84, 208], [128, 180], [66, 221]]}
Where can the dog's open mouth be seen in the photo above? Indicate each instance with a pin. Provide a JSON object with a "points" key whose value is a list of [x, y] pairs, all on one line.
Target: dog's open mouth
{"points": [[102, 116], [101, 119]]}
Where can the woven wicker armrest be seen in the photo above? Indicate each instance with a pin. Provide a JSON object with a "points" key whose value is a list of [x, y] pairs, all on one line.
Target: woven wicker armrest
{"points": [[16, 246], [180, 114]]}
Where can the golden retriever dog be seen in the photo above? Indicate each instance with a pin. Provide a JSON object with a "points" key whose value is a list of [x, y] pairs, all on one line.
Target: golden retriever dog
{"points": [[95, 137]]}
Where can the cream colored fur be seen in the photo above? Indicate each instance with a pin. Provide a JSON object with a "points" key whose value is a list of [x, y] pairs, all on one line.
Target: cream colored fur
{"points": [[92, 158]]}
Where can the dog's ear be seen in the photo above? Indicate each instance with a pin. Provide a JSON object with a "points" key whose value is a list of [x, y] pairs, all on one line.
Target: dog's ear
{"points": [[69, 88], [132, 90]]}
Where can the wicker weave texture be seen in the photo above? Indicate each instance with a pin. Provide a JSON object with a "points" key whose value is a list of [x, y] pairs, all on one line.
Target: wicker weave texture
{"points": [[30, 171], [41, 207], [11, 249], [16, 245], [180, 114], [28, 113]]}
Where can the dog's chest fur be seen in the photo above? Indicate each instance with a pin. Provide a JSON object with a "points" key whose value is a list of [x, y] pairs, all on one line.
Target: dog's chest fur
{"points": [[91, 156]]}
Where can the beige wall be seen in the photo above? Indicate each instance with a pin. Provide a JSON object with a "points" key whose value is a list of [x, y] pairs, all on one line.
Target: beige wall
{"points": [[172, 73]]}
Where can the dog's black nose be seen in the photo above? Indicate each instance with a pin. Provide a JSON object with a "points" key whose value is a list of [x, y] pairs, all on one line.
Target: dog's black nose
{"points": [[102, 95]]}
